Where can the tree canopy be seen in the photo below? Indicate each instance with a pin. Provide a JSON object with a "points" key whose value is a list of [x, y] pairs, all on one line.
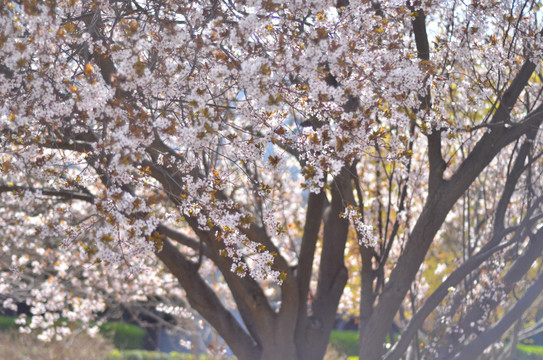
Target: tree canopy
{"points": [[278, 160]]}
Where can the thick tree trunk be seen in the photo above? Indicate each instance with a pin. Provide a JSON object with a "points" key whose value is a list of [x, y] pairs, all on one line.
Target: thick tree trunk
{"points": [[279, 346]]}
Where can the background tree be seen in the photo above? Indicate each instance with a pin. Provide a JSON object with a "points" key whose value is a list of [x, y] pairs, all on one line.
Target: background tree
{"points": [[147, 141]]}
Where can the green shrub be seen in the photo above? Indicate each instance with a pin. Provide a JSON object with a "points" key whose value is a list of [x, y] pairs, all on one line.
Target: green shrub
{"points": [[7, 323], [529, 352], [114, 355], [345, 342], [125, 336]]}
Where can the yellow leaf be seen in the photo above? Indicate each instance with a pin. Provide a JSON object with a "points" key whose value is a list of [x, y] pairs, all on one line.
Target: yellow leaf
{"points": [[88, 69]]}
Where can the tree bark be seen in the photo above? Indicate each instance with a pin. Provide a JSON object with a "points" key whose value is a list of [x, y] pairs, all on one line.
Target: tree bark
{"points": [[436, 209], [332, 271], [204, 300]]}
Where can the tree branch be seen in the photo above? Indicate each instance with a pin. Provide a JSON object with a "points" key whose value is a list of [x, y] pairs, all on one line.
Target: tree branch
{"points": [[490, 336], [182, 239], [313, 220], [64, 194], [332, 271], [435, 210], [435, 299], [204, 300]]}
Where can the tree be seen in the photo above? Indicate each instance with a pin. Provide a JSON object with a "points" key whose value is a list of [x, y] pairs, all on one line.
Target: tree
{"points": [[255, 142]]}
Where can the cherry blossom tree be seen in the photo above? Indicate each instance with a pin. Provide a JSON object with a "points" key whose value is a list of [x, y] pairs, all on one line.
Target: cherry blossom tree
{"points": [[259, 157]]}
